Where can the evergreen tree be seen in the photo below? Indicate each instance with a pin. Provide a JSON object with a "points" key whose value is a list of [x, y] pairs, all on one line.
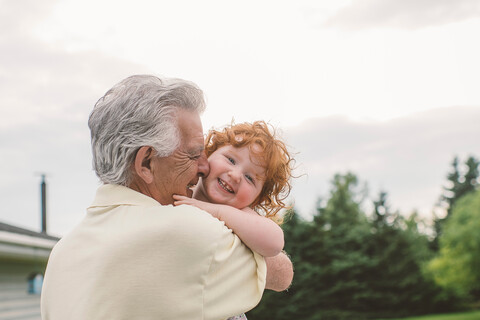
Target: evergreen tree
{"points": [[451, 192], [460, 184], [345, 259], [470, 178], [327, 256], [399, 287], [350, 267], [382, 216]]}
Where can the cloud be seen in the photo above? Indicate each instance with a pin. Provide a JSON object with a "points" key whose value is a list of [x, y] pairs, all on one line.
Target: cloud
{"points": [[39, 80], [408, 157], [18, 16], [404, 14], [47, 95]]}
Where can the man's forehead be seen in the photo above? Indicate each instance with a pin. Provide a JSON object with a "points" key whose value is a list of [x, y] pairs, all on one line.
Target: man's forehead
{"points": [[191, 131], [197, 147], [193, 145]]}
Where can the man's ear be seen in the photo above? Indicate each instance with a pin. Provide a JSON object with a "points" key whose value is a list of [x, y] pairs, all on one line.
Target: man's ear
{"points": [[142, 164]]}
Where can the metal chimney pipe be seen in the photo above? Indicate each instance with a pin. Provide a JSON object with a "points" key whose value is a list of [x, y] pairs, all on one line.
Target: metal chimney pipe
{"points": [[43, 188]]}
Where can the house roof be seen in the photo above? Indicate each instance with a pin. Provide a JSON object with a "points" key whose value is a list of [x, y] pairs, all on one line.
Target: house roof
{"points": [[26, 232]]}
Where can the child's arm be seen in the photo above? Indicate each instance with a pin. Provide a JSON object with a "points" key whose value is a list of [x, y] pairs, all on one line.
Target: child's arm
{"points": [[259, 233]]}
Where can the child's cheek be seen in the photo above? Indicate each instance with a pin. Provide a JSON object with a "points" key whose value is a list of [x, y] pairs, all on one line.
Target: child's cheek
{"points": [[244, 198]]}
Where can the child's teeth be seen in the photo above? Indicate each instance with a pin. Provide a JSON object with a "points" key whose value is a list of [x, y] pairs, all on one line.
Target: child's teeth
{"points": [[224, 186]]}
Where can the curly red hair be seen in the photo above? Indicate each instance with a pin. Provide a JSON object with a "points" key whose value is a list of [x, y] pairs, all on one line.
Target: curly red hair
{"points": [[270, 151]]}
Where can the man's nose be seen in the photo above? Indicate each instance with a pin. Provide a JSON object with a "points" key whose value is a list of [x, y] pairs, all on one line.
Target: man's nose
{"points": [[203, 166]]}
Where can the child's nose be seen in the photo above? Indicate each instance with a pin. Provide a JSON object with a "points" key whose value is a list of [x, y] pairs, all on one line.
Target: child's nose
{"points": [[235, 175]]}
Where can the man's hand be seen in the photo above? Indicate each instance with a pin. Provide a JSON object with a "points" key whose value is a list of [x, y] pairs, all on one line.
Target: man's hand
{"points": [[279, 272]]}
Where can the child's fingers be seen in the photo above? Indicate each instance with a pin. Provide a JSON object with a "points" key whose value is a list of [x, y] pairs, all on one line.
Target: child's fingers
{"points": [[182, 201], [179, 197]]}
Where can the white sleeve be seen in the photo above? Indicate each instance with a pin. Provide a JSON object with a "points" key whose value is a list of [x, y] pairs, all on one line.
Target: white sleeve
{"points": [[236, 278]]}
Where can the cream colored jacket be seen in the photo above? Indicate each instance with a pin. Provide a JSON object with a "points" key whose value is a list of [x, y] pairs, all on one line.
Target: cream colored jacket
{"points": [[133, 258]]}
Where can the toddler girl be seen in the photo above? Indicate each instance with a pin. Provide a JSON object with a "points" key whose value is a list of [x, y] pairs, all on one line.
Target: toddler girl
{"points": [[249, 179]]}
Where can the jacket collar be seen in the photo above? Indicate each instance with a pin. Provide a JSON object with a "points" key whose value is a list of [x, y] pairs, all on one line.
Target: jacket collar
{"points": [[114, 195]]}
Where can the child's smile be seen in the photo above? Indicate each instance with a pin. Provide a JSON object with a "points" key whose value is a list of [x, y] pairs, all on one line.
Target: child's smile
{"points": [[225, 186]]}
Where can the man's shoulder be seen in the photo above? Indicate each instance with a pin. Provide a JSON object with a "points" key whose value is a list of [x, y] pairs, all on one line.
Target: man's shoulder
{"points": [[182, 221], [185, 213], [192, 218], [148, 226]]}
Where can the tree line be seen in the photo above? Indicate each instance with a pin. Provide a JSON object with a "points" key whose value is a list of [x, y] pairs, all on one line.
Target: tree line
{"points": [[351, 264]]}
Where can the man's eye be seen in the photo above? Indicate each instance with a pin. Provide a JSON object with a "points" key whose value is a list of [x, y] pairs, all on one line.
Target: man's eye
{"points": [[195, 157]]}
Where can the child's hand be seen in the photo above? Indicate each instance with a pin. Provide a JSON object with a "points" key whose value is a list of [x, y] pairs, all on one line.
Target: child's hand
{"points": [[178, 200], [206, 206]]}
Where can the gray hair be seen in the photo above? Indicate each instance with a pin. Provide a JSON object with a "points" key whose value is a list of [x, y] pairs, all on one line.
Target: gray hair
{"points": [[139, 111]]}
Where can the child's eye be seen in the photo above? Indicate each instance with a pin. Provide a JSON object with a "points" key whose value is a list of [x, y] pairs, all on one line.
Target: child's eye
{"points": [[231, 160], [249, 178]]}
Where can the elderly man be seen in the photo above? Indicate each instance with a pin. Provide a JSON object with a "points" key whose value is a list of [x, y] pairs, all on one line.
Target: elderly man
{"points": [[135, 256]]}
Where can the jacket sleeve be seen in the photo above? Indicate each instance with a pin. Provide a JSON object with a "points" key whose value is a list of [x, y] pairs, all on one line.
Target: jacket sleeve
{"points": [[236, 278]]}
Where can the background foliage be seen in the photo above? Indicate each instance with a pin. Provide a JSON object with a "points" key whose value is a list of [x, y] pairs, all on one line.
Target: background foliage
{"points": [[350, 264], [457, 267]]}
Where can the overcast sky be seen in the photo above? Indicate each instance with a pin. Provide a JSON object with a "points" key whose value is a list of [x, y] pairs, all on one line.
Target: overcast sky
{"points": [[387, 89]]}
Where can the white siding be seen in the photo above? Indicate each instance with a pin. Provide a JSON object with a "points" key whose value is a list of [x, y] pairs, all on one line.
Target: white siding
{"points": [[15, 301]]}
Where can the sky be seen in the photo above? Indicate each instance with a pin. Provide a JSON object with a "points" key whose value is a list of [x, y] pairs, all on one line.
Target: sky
{"points": [[386, 89]]}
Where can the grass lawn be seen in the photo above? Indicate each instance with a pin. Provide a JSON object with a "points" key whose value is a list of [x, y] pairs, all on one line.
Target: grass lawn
{"points": [[475, 315]]}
